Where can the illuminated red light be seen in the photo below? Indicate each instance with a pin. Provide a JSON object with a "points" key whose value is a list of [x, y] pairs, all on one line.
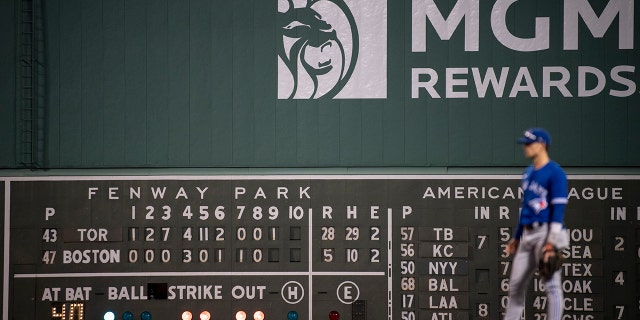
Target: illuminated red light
{"points": [[258, 315], [241, 315], [205, 315]]}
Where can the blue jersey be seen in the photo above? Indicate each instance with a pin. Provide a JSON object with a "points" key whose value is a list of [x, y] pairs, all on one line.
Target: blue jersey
{"points": [[544, 196]]}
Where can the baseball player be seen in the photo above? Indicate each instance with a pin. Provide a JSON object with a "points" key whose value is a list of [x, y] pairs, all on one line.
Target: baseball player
{"points": [[540, 232]]}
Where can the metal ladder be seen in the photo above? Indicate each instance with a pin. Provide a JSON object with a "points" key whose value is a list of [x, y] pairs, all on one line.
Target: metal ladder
{"points": [[31, 100]]}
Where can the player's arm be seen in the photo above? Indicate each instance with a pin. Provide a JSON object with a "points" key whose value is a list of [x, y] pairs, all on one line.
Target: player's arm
{"points": [[558, 203], [512, 245]]}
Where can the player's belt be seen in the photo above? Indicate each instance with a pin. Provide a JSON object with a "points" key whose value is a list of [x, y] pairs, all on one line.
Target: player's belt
{"points": [[534, 225]]}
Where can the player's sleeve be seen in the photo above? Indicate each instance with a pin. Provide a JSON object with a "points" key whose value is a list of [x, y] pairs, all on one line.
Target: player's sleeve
{"points": [[559, 196]]}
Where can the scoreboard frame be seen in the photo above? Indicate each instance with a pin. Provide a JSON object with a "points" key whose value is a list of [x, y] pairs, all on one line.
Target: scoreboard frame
{"points": [[434, 281]]}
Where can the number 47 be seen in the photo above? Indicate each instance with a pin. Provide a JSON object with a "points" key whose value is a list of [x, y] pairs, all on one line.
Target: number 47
{"points": [[48, 256]]}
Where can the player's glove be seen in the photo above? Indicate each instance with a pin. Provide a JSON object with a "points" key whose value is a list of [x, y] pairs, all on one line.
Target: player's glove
{"points": [[550, 262]]}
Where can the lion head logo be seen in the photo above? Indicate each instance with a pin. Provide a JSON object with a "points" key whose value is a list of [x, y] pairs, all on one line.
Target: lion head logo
{"points": [[317, 48]]}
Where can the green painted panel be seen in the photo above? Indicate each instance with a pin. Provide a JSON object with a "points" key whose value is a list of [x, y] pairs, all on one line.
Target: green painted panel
{"points": [[168, 83], [178, 125], [372, 128], [157, 83], [393, 126], [135, 75], [114, 83], [286, 132], [92, 77], [243, 77], [52, 131], [70, 111], [435, 134], [633, 134], [328, 133], [592, 132], [416, 149], [616, 132], [223, 55], [200, 82], [307, 134], [480, 136], [503, 125], [350, 132], [460, 140], [264, 101], [8, 84]]}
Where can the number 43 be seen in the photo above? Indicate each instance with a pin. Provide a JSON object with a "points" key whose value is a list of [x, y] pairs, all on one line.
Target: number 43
{"points": [[50, 235]]}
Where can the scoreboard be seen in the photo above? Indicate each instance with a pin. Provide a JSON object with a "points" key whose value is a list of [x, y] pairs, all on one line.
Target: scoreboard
{"points": [[387, 247]]}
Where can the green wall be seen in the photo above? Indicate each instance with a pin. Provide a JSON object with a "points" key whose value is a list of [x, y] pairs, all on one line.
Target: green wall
{"points": [[7, 84], [168, 83]]}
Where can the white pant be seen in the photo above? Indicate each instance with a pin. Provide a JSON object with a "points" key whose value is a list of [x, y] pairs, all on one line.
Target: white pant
{"points": [[524, 265]]}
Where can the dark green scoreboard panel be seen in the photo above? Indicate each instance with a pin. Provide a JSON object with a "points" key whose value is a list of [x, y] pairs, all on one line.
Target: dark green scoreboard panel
{"points": [[303, 247]]}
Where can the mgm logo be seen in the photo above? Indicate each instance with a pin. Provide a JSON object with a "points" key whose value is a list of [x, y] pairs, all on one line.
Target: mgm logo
{"points": [[332, 49]]}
